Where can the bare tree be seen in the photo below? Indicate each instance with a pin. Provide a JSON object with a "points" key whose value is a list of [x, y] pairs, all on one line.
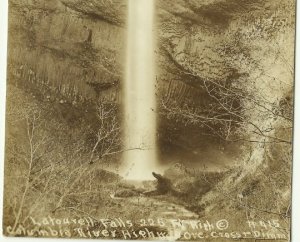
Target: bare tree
{"points": [[108, 133]]}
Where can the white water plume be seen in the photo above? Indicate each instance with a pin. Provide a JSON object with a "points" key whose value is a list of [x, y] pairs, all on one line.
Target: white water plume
{"points": [[139, 93]]}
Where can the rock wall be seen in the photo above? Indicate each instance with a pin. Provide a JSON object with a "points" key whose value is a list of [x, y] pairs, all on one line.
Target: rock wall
{"points": [[67, 48]]}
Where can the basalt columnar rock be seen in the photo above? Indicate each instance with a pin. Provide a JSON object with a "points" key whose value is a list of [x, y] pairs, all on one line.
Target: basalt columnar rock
{"points": [[204, 48], [66, 44]]}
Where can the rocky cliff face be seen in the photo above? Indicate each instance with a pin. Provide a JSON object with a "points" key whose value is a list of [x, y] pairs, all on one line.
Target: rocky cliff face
{"points": [[235, 58], [214, 40], [68, 46], [217, 60], [230, 59]]}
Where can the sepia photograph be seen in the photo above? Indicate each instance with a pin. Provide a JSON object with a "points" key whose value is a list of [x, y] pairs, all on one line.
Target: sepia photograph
{"points": [[166, 120]]}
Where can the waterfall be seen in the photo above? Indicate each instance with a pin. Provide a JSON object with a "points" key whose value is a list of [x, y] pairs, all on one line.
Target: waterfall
{"points": [[139, 93]]}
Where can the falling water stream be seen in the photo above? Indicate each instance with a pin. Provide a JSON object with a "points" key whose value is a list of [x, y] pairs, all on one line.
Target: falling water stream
{"points": [[140, 158]]}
